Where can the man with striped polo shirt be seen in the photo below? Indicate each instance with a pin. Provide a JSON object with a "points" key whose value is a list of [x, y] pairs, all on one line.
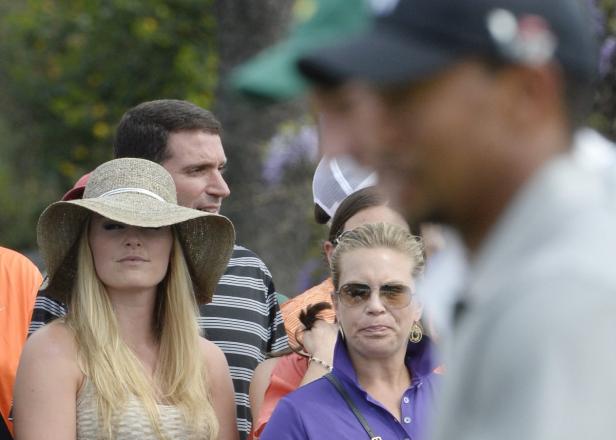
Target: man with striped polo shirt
{"points": [[243, 318]]}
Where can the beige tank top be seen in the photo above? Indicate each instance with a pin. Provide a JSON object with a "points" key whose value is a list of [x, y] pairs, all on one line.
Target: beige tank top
{"points": [[133, 422]]}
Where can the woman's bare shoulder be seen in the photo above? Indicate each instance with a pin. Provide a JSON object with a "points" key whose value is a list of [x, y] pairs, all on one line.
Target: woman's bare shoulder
{"points": [[53, 340], [51, 352], [212, 353], [46, 385]]}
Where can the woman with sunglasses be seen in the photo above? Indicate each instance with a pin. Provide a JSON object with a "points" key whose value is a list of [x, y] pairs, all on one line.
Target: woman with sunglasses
{"points": [[313, 345], [382, 384]]}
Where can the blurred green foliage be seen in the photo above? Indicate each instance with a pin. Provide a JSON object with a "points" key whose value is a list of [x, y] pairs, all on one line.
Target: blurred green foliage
{"points": [[69, 70]]}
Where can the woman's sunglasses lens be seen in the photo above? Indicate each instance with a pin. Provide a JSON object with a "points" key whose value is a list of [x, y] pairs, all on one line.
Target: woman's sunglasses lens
{"points": [[395, 296], [354, 294], [392, 295]]}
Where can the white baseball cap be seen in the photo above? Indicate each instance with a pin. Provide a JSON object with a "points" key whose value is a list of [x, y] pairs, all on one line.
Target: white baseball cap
{"points": [[336, 178]]}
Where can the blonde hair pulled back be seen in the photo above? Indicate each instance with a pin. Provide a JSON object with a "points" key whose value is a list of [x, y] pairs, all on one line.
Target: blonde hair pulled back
{"points": [[378, 235]]}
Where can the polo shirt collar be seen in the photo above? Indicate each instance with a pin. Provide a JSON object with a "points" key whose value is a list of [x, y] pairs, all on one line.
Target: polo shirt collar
{"points": [[419, 359]]}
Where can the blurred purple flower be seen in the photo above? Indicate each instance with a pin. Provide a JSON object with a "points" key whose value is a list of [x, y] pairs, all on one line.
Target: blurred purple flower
{"points": [[607, 56], [608, 49], [288, 149], [598, 17]]}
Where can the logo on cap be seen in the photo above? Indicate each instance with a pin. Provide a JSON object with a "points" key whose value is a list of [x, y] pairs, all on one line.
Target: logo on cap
{"points": [[382, 7], [525, 40]]}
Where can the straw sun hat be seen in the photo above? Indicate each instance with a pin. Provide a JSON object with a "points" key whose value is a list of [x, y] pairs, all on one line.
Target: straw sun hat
{"points": [[141, 193]]}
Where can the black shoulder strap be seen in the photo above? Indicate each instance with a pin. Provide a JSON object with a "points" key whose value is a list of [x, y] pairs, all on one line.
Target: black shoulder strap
{"points": [[336, 383]]}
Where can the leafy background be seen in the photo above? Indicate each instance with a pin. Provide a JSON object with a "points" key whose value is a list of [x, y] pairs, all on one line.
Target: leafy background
{"points": [[69, 70]]}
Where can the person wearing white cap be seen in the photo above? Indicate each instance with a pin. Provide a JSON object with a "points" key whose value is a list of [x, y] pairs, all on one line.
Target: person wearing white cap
{"points": [[127, 361], [280, 375], [336, 178]]}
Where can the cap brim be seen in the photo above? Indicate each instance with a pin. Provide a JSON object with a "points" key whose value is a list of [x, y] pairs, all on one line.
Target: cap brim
{"points": [[272, 75], [378, 56]]}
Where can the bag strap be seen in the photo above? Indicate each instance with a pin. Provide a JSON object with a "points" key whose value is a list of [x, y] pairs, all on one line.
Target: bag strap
{"points": [[360, 417]]}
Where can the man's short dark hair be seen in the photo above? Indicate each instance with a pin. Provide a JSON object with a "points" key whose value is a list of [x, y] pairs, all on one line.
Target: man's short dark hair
{"points": [[144, 130]]}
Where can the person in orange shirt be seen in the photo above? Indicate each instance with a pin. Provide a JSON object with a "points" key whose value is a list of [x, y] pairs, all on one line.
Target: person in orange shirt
{"points": [[19, 282]]}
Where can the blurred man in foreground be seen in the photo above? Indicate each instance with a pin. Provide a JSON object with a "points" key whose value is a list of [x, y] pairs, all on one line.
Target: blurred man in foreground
{"points": [[467, 109]]}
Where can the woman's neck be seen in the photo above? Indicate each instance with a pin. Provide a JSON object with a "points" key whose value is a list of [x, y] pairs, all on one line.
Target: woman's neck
{"points": [[381, 373], [134, 312], [384, 379]]}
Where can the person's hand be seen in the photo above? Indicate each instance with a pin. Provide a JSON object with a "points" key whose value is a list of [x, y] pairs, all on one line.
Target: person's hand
{"points": [[320, 340]]}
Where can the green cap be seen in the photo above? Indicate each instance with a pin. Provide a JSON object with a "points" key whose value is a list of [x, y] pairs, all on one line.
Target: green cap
{"points": [[273, 73]]}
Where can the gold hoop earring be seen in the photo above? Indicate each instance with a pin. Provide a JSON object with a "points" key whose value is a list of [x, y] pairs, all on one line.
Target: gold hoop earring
{"points": [[416, 333]]}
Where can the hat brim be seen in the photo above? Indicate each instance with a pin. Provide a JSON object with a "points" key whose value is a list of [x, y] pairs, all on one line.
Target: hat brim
{"points": [[207, 239], [378, 56]]}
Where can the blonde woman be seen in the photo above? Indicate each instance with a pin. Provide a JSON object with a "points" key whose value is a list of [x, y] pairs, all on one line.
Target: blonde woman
{"points": [[382, 384], [278, 376], [127, 362]]}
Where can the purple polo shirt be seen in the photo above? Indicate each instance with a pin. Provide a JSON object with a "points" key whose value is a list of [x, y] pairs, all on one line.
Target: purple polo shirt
{"points": [[318, 411]]}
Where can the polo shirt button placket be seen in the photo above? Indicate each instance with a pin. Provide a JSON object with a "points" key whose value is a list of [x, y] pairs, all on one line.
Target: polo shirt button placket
{"points": [[406, 399], [407, 420]]}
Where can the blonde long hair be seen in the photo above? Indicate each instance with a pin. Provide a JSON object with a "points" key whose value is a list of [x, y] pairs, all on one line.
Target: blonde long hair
{"points": [[115, 371]]}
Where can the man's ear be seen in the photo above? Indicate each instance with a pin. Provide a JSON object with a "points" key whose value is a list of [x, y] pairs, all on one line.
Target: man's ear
{"points": [[328, 248]]}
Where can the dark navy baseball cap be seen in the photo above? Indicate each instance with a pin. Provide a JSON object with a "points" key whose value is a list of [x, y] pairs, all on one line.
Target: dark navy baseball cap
{"points": [[412, 39]]}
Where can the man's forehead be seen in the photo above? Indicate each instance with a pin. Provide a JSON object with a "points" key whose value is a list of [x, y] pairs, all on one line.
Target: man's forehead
{"points": [[195, 144]]}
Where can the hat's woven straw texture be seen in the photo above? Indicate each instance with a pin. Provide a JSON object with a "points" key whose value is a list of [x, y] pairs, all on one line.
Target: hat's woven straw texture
{"points": [[141, 193]]}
